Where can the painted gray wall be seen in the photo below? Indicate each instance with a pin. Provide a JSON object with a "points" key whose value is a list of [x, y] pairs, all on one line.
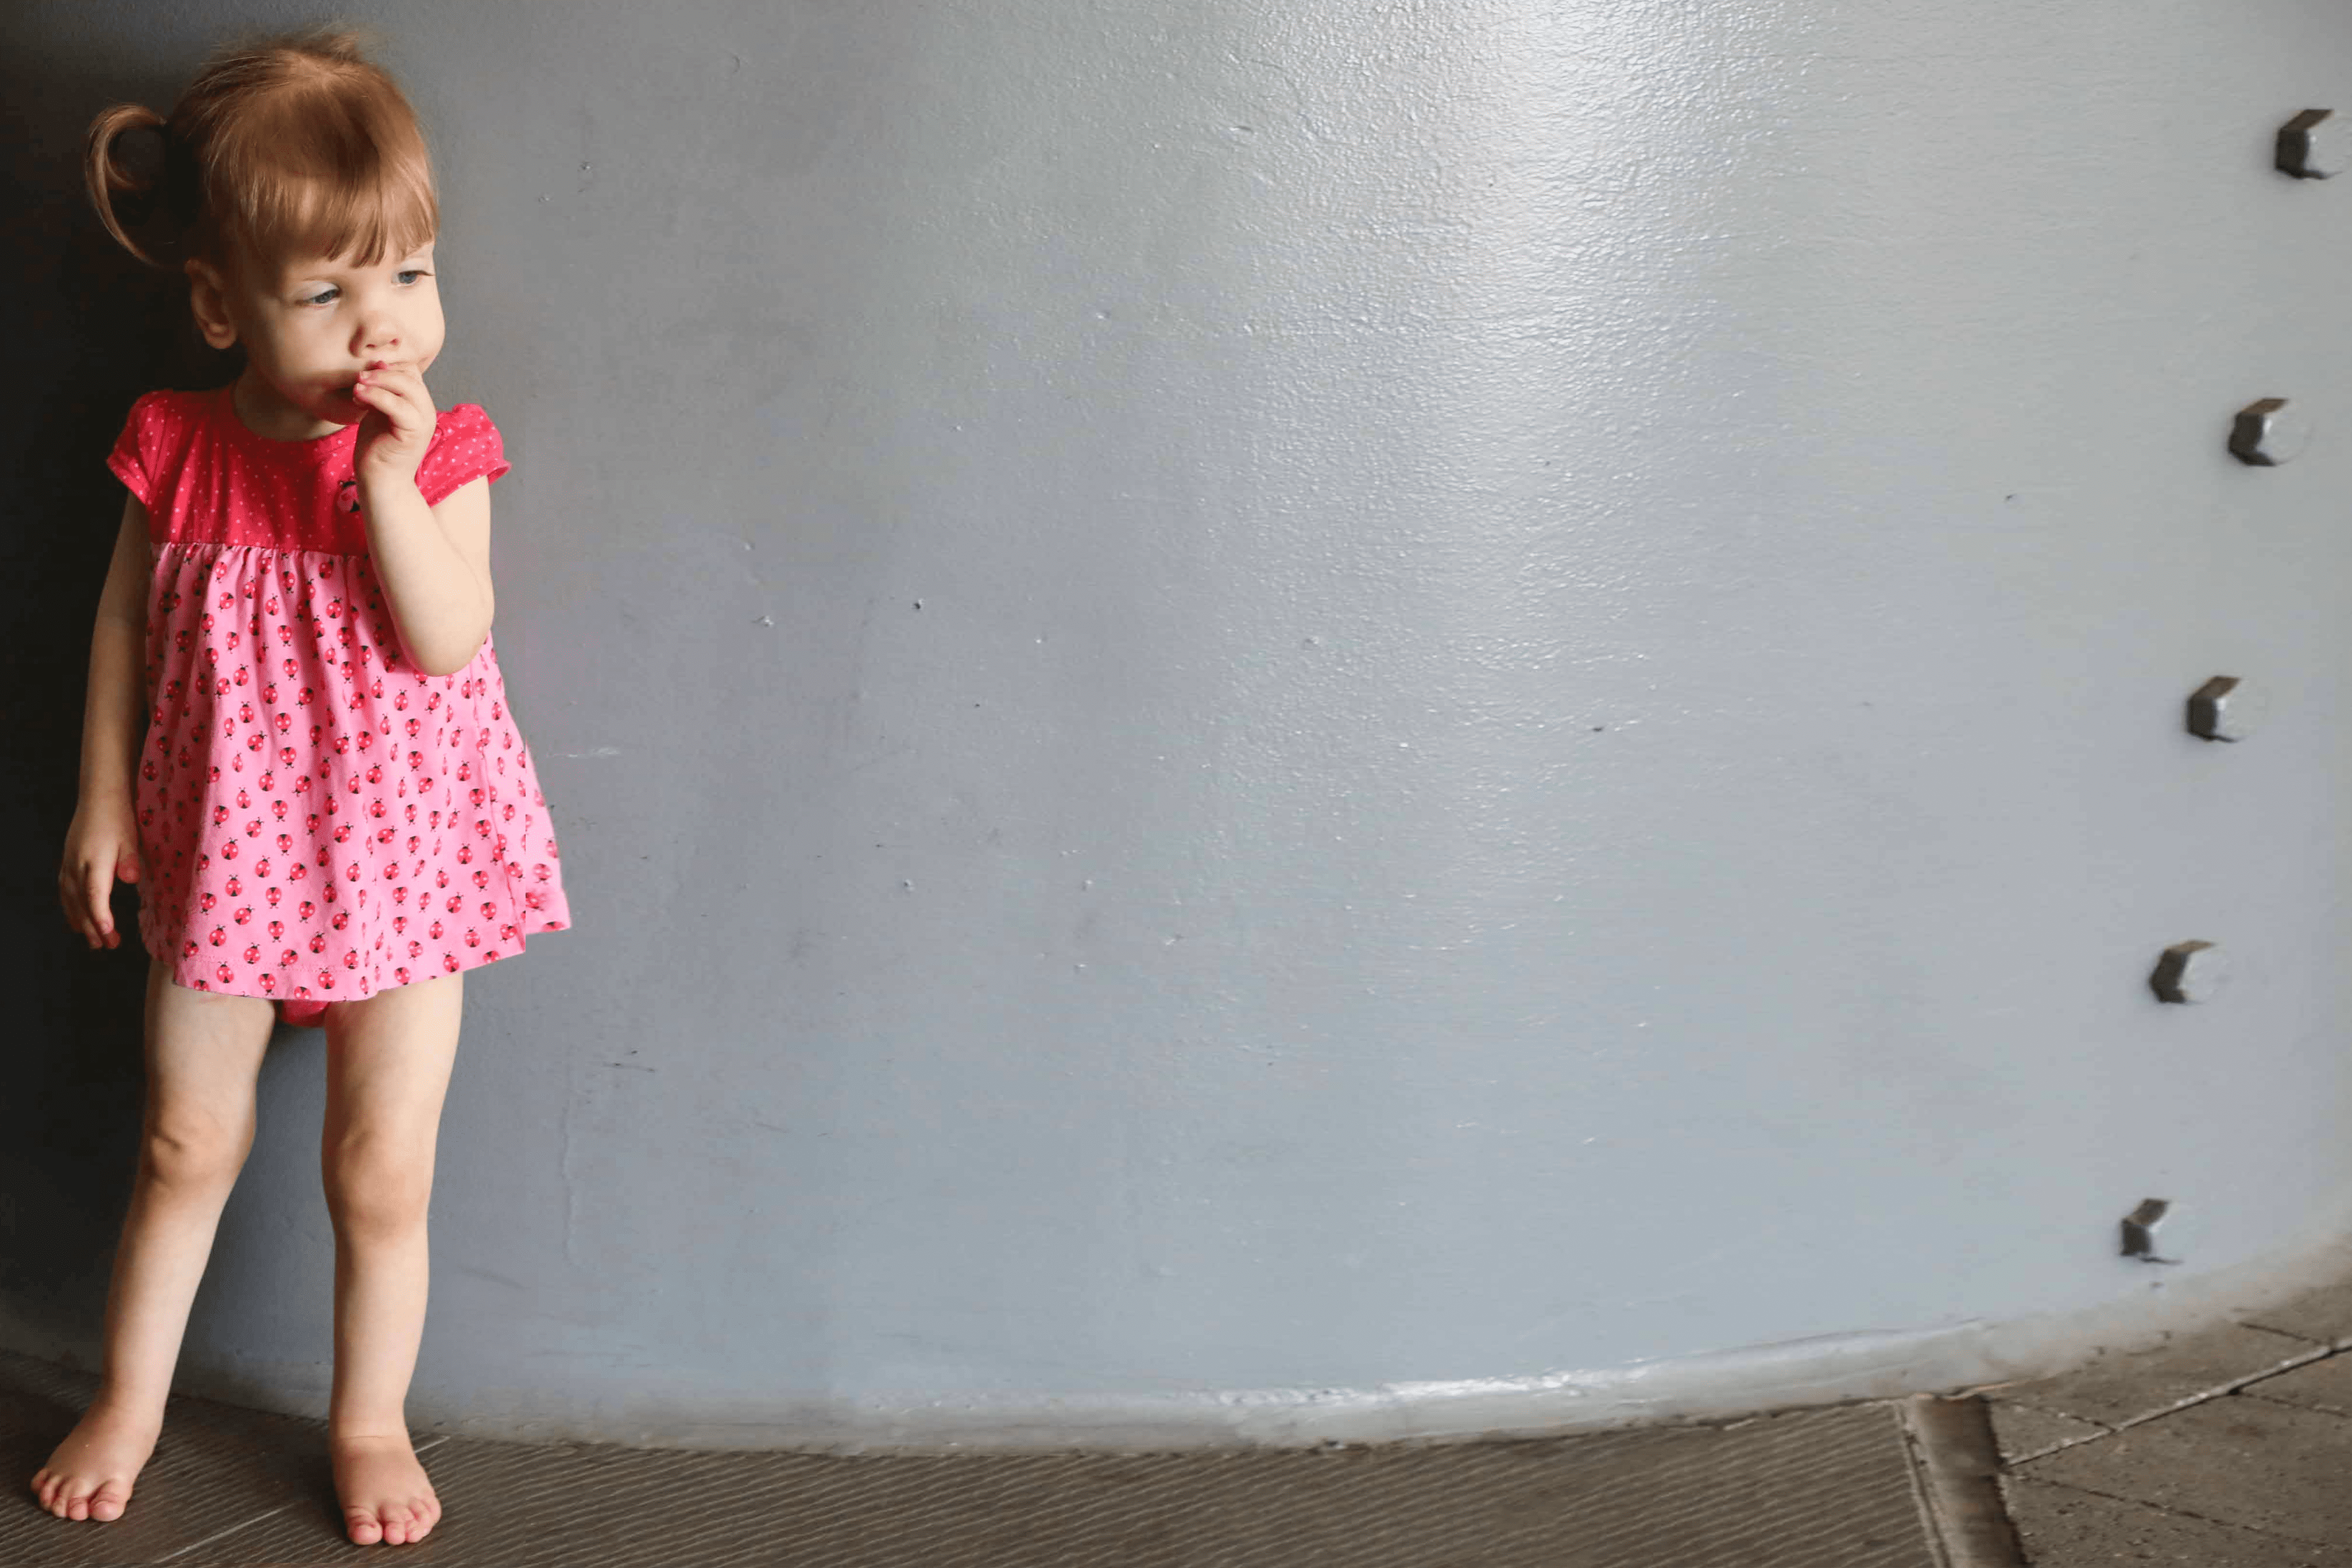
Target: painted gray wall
{"points": [[1267, 709]]}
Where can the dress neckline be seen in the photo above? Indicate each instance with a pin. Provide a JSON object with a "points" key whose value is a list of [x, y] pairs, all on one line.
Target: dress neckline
{"points": [[319, 450]]}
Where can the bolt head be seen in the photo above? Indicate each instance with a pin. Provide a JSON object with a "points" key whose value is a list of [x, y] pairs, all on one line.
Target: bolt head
{"points": [[2226, 709], [2269, 431], [2315, 144], [2140, 1230], [2190, 972]]}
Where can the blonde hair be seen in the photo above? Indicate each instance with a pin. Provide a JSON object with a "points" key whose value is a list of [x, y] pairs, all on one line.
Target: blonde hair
{"points": [[286, 146]]}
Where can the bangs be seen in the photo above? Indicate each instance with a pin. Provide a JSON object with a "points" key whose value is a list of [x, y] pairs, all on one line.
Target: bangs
{"points": [[322, 175]]}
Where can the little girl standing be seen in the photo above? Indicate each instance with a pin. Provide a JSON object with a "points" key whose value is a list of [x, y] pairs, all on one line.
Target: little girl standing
{"points": [[298, 743]]}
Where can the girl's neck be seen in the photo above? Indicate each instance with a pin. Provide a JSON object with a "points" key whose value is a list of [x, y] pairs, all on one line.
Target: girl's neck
{"points": [[261, 410]]}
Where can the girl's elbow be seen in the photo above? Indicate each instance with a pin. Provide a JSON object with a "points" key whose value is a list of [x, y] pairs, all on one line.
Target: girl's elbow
{"points": [[438, 667]]}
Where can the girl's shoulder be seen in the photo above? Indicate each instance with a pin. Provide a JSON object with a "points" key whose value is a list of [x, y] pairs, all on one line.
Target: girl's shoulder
{"points": [[170, 409], [466, 445], [157, 435], [462, 422]]}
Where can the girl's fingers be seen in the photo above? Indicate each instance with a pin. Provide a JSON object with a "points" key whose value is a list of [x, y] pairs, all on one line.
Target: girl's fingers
{"points": [[403, 382], [392, 403], [81, 910], [101, 913]]}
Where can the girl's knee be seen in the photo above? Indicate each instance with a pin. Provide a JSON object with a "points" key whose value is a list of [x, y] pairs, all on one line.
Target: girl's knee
{"points": [[190, 1150], [375, 1190]]}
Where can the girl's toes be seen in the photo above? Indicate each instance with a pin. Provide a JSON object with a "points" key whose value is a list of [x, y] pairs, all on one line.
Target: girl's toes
{"points": [[365, 1529], [108, 1501]]}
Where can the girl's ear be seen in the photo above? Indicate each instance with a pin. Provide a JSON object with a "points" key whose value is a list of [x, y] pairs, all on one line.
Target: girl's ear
{"points": [[209, 299]]}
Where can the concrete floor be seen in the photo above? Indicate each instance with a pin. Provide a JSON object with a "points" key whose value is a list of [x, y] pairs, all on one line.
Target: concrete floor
{"points": [[2229, 1449]]}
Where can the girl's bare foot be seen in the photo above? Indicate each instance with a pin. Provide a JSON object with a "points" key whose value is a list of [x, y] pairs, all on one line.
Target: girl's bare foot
{"points": [[383, 1489], [90, 1474]]}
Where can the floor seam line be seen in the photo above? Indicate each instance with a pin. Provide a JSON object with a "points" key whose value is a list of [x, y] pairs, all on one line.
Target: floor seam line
{"points": [[433, 1442], [231, 1529], [1957, 1469]]}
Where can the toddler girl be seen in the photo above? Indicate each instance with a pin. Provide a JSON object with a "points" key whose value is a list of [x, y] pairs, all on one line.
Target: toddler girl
{"points": [[296, 743]]}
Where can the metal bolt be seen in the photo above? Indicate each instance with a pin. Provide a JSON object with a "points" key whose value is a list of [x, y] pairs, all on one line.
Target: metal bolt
{"points": [[2140, 1230], [2268, 433], [2226, 709], [2190, 972], [2315, 144]]}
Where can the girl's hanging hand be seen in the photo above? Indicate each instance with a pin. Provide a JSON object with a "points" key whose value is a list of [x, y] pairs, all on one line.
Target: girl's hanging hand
{"points": [[101, 845], [398, 425]]}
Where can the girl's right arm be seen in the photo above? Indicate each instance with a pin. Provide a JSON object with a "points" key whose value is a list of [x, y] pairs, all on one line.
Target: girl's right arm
{"points": [[104, 841]]}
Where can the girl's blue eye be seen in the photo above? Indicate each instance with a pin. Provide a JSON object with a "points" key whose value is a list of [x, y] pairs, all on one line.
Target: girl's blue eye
{"points": [[324, 295]]}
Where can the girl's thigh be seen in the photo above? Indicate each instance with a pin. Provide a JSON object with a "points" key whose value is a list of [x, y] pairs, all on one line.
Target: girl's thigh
{"points": [[203, 1056], [388, 1061]]}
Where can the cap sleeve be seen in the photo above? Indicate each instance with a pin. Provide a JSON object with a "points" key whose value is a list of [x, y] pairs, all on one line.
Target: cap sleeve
{"points": [[133, 458], [466, 445]]}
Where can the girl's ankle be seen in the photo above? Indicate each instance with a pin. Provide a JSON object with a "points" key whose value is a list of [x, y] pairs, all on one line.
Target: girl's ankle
{"points": [[121, 1406]]}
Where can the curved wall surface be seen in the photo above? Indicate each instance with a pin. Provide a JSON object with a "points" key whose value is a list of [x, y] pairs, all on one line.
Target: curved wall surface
{"points": [[1278, 720]]}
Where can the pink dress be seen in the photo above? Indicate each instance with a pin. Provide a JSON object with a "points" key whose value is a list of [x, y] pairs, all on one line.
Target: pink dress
{"points": [[317, 817]]}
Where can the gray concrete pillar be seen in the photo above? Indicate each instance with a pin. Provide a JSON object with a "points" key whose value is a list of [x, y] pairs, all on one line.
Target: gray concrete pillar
{"points": [[1286, 721]]}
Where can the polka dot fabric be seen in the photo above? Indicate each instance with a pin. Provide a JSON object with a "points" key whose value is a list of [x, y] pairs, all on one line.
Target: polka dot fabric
{"points": [[317, 818]]}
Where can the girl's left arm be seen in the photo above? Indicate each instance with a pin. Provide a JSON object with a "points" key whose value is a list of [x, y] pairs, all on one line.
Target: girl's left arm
{"points": [[433, 561], [434, 565]]}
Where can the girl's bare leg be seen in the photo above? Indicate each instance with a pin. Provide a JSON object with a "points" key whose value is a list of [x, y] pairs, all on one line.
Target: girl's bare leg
{"points": [[388, 1061], [204, 1053]]}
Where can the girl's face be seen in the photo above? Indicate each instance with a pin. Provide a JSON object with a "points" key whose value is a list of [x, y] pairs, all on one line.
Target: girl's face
{"points": [[311, 324]]}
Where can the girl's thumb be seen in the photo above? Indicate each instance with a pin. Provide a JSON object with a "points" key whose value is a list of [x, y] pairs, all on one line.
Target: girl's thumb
{"points": [[127, 867]]}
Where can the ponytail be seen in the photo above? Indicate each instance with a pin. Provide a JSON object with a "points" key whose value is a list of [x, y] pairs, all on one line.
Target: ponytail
{"points": [[121, 190]]}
